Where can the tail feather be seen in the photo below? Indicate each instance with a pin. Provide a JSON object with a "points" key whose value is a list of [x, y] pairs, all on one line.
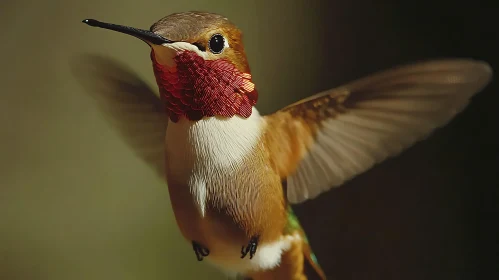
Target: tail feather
{"points": [[312, 260], [295, 226]]}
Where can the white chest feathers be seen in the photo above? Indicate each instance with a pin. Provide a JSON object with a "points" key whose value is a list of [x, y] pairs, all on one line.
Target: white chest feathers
{"points": [[206, 150]]}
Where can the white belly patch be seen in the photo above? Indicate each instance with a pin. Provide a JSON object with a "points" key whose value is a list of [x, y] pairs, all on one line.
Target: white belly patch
{"points": [[202, 151]]}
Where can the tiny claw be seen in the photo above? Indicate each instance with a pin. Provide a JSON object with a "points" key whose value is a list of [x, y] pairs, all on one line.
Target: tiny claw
{"points": [[200, 250], [251, 248], [243, 253]]}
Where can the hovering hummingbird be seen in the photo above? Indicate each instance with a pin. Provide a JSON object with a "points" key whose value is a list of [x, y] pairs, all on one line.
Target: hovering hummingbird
{"points": [[233, 174]]}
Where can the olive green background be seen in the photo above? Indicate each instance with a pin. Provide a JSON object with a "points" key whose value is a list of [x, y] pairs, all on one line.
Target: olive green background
{"points": [[76, 203]]}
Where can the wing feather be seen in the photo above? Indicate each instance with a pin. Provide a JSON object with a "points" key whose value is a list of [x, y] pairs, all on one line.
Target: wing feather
{"points": [[364, 122]]}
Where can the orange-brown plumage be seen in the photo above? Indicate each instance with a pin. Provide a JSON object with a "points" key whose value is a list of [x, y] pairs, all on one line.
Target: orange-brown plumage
{"points": [[232, 178], [287, 140]]}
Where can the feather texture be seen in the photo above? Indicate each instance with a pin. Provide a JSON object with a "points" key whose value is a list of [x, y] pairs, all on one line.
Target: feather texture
{"points": [[364, 122]]}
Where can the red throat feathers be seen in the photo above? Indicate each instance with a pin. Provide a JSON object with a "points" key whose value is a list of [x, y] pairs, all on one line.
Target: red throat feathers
{"points": [[197, 88]]}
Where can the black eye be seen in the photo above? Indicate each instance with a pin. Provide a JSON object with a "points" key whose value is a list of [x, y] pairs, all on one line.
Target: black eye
{"points": [[217, 43]]}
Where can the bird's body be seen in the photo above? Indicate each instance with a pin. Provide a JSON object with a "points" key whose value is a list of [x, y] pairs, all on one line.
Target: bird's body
{"points": [[234, 190], [214, 187], [233, 174]]}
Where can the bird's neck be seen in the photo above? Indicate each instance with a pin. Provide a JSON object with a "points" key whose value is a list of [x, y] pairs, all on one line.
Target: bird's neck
{"points": [[195, 88]]}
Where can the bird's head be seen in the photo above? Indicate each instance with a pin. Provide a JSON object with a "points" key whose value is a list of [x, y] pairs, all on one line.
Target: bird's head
{"points": [[199, 63]]}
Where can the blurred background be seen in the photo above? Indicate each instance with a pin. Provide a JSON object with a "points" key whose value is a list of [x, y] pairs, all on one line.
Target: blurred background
{"points": [[76, 203]]}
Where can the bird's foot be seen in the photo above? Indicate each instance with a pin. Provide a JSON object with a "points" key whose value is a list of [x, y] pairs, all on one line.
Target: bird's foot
{"points": [[251, 248], [200, 250]]}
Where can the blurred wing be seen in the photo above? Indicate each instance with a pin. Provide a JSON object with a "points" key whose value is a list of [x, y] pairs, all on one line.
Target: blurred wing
{"points": [[346, 130], [129, 104]]}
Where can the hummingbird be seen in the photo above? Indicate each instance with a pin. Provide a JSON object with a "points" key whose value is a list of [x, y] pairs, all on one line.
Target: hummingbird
{"points": [[234, 174]]}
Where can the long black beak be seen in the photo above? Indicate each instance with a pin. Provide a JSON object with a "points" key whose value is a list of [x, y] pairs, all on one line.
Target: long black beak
{"points": [[145, 35]]}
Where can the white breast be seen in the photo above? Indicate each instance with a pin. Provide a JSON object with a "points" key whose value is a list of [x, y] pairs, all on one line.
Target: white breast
{"points": [[201, 151]]}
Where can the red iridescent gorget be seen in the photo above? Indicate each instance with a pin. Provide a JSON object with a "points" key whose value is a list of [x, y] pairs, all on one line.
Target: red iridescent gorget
{"points": [[197, 88]]}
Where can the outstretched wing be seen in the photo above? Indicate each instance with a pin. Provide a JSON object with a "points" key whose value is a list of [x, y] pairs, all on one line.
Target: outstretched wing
{"points": [[335, 135], [130, 105]]}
